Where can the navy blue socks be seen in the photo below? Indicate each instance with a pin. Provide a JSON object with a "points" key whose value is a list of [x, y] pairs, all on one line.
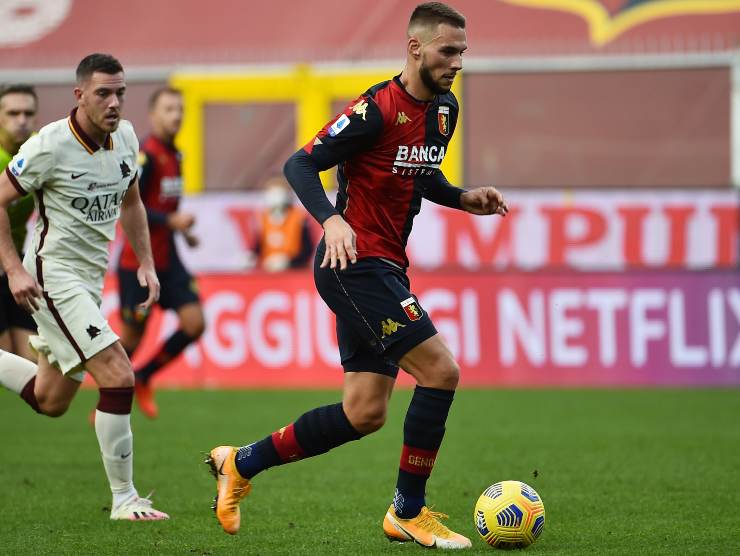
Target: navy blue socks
{"points": [[423, 431], [313, 433]]}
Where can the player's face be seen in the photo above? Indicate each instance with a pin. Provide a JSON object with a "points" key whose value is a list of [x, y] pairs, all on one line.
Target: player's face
{"points": [[101, 98], [166, 114], [441, 58], [17, 117]]}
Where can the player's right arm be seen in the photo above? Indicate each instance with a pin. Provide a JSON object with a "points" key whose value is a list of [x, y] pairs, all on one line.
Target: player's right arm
{"points": [[355, 129], [134, 223], [24, 287]]}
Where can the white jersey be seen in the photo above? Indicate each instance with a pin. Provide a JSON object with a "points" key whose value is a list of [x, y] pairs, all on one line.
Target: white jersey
{"points": [[78, 187]]}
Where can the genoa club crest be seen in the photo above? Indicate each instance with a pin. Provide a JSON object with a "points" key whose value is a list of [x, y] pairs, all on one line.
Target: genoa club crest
{"points": [[443, 119], [411, 308]]}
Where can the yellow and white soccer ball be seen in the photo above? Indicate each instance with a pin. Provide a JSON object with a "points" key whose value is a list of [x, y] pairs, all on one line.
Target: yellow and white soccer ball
{"points": [[509, 514]]}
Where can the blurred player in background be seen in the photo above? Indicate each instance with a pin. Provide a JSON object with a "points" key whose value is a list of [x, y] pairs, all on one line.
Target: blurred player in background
{"points": [[284, 239], [82, 173], [161, 188], [18, 108], [388, 145]]}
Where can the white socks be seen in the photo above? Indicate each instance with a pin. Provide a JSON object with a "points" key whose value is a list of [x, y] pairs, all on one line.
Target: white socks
{"points": [[15, 371], [116, 446]]}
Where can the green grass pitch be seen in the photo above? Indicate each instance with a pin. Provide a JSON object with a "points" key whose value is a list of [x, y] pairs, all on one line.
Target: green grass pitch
{"points": [[620, 472]]}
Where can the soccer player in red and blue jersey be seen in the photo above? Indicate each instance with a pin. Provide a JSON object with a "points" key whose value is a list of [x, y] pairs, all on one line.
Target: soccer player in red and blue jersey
{"points": [[388, 145], [160, 181]]}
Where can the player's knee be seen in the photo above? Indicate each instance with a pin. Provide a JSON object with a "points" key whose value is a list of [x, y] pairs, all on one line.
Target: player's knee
{"points": [[131, 338], [450, 375], [445, 374], [118, 372], [50, 406], [194, 327], [367, 419], [122, 376]]}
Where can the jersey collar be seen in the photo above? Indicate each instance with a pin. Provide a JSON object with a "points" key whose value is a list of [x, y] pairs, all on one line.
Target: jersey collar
{"points": [[397, 81], [84, 139], [169, 146]]}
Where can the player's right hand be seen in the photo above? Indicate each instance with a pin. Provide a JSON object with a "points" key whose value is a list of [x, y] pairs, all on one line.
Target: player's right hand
{"points": [[148, 279], [341, 243], [25, 289], [191, 239], [180, 221]]}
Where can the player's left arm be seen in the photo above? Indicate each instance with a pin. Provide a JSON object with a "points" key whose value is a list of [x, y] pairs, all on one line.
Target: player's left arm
{"points": [[481, 200], [134, 223]]}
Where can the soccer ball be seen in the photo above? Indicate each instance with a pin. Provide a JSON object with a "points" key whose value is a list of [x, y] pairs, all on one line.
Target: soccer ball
{"points": [[509, 514]]}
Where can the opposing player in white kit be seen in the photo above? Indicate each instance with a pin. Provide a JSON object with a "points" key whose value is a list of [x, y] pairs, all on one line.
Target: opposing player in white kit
{"points": [[82, 172]]}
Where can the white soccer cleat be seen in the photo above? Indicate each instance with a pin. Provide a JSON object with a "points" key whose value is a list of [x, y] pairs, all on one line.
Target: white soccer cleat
{"points": [[137, 509]]}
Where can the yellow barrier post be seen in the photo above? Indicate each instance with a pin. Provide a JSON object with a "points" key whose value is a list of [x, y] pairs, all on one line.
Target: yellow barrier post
{"points": [[313, 93]]}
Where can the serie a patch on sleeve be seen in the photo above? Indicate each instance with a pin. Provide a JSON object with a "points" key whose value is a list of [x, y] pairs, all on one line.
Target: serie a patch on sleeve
{"points": [[338, 126], [18, 166]]}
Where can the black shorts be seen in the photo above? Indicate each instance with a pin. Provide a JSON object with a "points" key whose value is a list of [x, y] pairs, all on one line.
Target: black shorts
{"points": [[178, 288], [379, 320], [11, 314]]}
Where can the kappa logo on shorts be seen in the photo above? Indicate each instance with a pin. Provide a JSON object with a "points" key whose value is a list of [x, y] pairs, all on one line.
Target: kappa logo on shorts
{"points": [[93, 331], [389, 326], [411, 308]]}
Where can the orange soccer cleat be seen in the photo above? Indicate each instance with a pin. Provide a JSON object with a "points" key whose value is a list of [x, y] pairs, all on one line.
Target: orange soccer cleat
{"points": [[424, 529], [231, 487], [144, 395]]}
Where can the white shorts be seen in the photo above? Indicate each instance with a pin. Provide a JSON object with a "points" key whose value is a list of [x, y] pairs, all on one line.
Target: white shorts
{"points": [[71, 329]]}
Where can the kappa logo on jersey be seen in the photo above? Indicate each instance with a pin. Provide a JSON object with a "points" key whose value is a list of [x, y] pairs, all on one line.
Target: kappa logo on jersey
{"points": [[608, 19], [125, 170], [402, 118], [360, 109], [411, 308], [17, 168], [93, 331], [443, 120], [337, 127], [389, 326]]}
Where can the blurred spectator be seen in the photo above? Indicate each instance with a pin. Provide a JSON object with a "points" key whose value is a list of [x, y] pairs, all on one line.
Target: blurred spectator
{"points": [[284, 238], [18, 109], [160, 181]]}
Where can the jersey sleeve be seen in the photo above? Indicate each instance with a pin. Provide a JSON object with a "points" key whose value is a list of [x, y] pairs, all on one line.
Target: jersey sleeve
{"points": [[132, 144], [145, 164], [441, 192], [353, 130], [32, 166]]}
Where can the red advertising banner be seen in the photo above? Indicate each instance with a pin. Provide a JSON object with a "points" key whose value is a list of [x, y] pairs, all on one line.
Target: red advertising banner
{"points": [[583, 229], [512, 329]]}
